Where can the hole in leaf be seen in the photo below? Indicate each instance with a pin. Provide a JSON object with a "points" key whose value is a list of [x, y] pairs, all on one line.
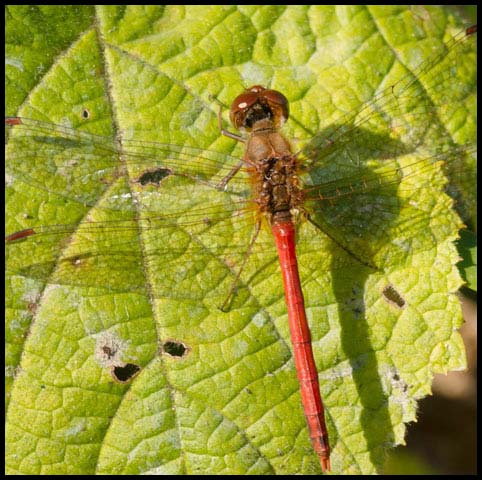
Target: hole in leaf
{"points": [[175, 348], [392, 296], [124, 374], [155, 176], [85, 114]]}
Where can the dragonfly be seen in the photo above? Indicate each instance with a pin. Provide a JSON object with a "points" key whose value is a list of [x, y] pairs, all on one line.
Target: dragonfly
{"points": [[356, 200]]}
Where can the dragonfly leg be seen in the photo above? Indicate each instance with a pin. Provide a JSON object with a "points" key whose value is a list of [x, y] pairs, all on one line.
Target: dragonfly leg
{"points": [[223, 131], [221, 185], [230, 295], [352, 254]]}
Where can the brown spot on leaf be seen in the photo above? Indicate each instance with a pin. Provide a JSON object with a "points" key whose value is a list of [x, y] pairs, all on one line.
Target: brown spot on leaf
{"points": [[393, 297], [154, 176], [108, 350]]}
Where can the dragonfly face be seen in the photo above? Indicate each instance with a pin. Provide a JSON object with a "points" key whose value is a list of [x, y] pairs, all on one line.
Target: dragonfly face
{"points": [[256, 104]]}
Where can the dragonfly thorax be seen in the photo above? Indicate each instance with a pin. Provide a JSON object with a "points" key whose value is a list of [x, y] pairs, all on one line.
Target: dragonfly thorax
{"points": [[277, 190]]}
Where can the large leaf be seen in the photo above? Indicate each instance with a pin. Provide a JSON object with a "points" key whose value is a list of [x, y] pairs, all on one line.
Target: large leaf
{"points": [[121, 361]]}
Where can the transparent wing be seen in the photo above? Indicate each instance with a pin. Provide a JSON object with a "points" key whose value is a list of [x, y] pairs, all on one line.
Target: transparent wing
{"points": [[146, 203], [125, 255], [375, 180], [82, 166], [409, 109], [369, 181], [390, 211]]}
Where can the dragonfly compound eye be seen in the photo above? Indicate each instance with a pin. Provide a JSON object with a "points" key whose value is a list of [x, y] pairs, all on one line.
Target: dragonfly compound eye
{"points": [[240, 108], [278, 105]]}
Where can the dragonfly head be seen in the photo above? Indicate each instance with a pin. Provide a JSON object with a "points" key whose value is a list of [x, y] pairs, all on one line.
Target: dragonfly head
{"points": [[259, 103]]}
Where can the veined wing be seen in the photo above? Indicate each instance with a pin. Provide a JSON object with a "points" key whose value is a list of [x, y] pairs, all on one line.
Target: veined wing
{"points": [[410, 107], [376, 177], [81, 166]]}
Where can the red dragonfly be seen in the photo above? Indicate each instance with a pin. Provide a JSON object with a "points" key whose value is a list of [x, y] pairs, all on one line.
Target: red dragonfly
{"points": [[357, 201]]}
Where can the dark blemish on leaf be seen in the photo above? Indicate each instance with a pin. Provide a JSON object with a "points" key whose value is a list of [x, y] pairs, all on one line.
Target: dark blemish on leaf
{"points": [[110, 178], [397, 382], [109, 352], [392, 296], [175, 348], [75, 261], [354, 304], [79, 260], [32, 307], [85, 114], [125, 373], [248, 391], [154, 176]]}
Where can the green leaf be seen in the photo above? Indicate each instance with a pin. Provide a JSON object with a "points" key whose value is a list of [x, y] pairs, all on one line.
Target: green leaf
{"points": [[467, 247], [36, 36], [119, 359]]}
